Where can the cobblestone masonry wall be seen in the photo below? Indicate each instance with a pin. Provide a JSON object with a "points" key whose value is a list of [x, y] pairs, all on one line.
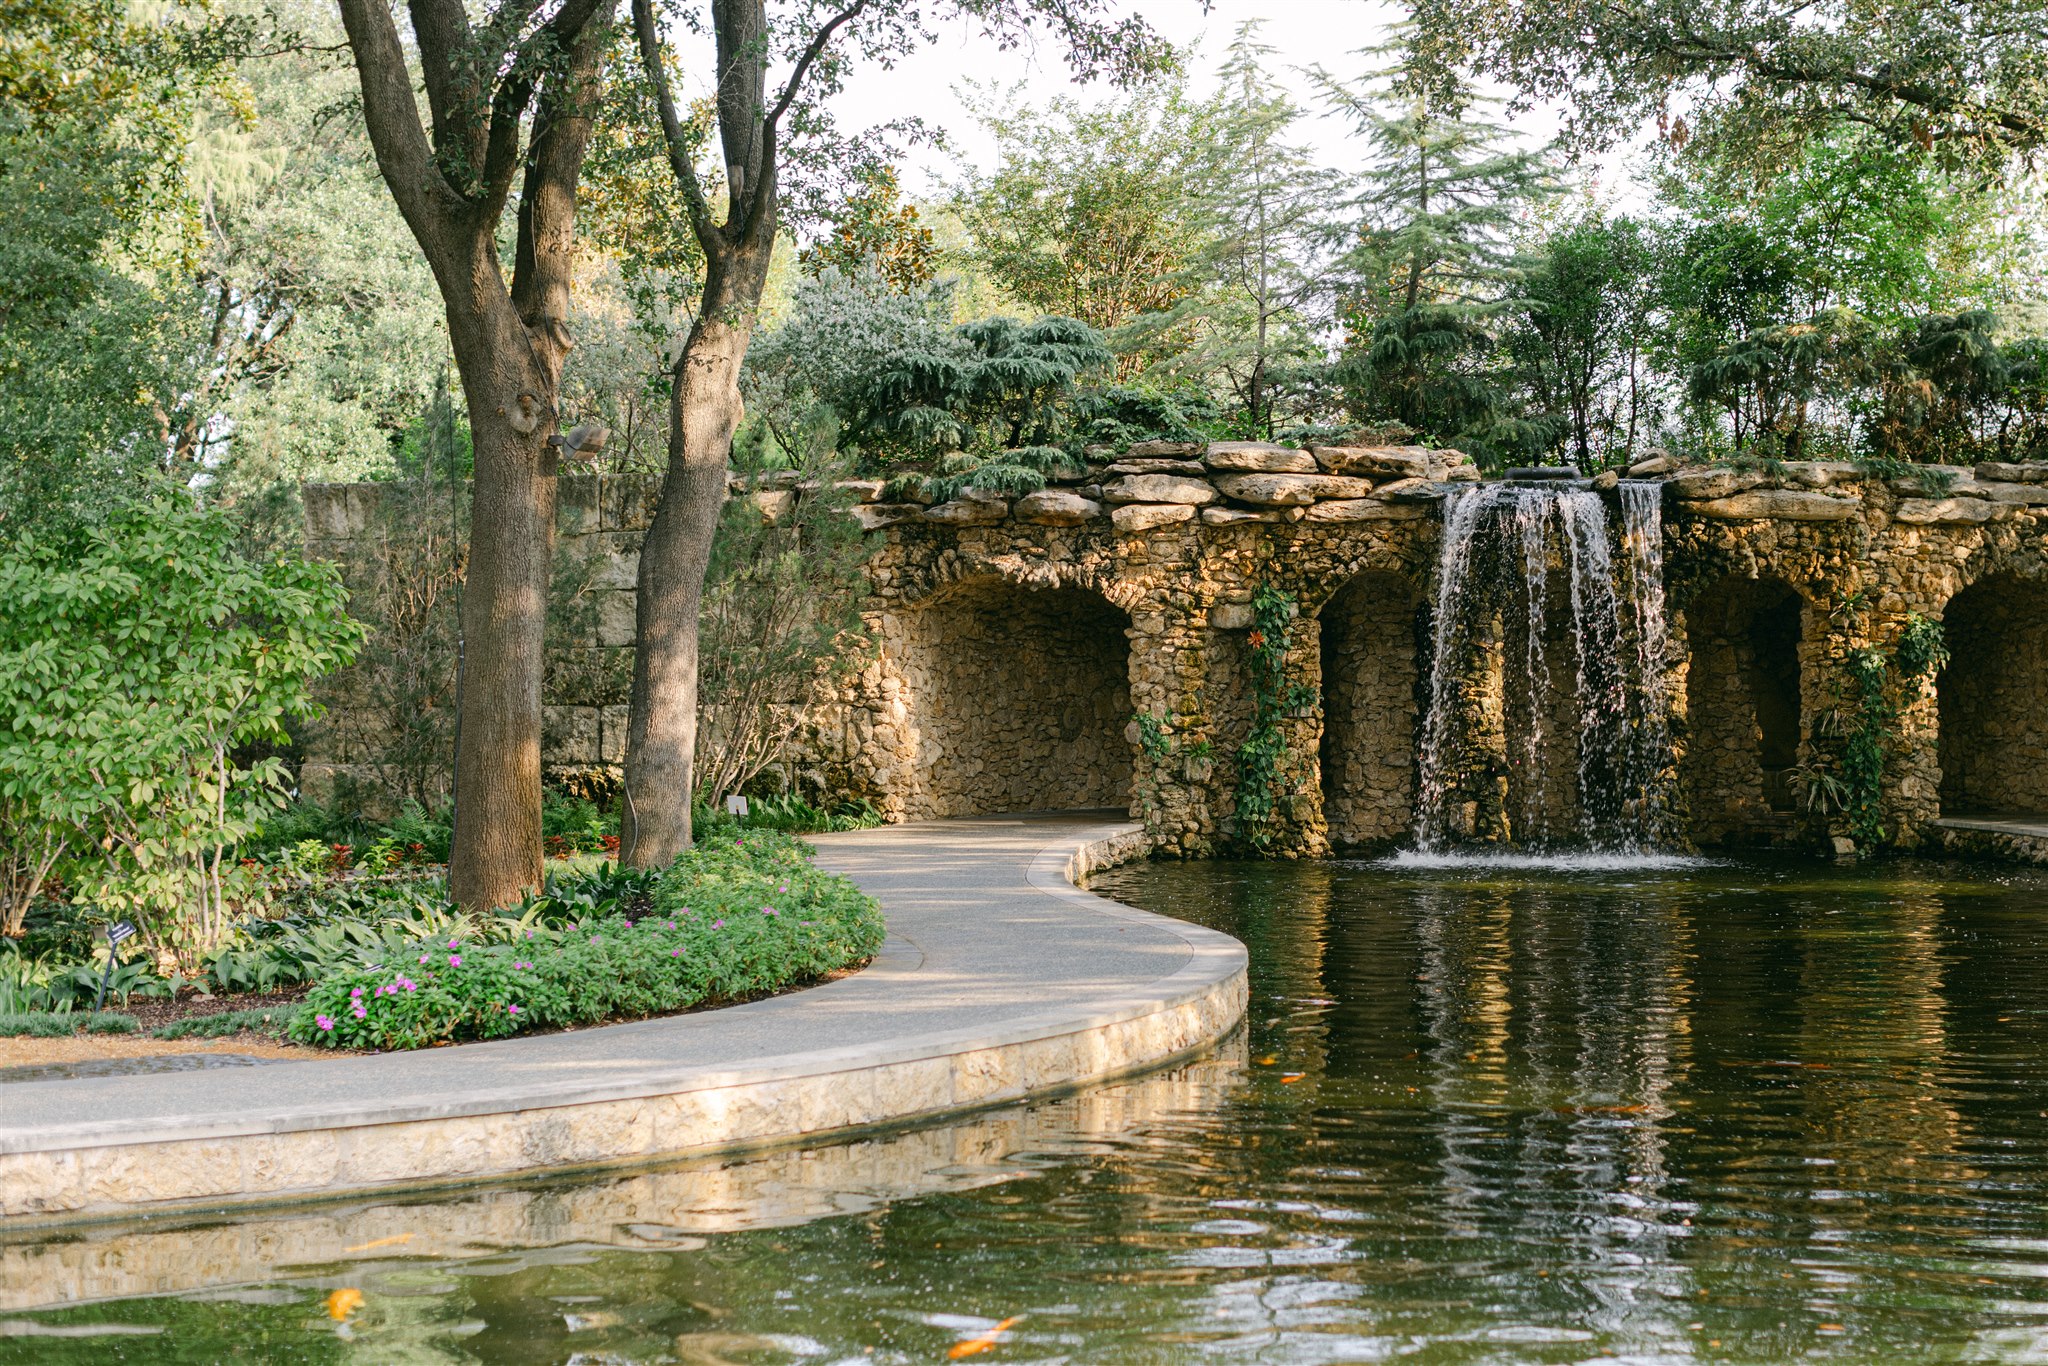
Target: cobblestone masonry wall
{"points": [[1742, 710], [1994, 742], [1001, 624], [1370, 680]]}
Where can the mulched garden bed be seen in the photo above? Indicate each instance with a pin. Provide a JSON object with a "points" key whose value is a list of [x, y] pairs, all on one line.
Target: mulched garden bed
{"points": [[156, 1011]]}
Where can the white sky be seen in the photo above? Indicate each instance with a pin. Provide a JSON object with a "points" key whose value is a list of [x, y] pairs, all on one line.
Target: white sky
{"points": [[1301, 32]]}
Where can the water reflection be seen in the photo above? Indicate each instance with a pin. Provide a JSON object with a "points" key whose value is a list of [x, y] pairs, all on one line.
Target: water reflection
{"points": [[1744, 1113]]}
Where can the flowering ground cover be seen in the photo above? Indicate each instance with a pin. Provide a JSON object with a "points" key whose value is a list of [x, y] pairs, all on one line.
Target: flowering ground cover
{"points": [[736, 917]]}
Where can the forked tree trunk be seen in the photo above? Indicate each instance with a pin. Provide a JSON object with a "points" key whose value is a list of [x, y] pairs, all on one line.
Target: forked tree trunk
{"points": [[704, 412]]}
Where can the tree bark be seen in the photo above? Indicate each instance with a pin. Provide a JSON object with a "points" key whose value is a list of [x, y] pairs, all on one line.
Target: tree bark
{"points": [[704, 413], [510, 342], [496, 855]]}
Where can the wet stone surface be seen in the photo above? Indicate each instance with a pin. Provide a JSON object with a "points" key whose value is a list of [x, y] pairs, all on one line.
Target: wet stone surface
{"points": [[127, 1067]]}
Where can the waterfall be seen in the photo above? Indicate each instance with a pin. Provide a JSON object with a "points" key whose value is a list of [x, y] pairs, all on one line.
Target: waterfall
{"points": [[1648, 776], [1504, 753]]}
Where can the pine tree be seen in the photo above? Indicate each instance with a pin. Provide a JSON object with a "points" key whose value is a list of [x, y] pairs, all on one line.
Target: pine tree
{"points": [[1440, 201], [1254, 291]]}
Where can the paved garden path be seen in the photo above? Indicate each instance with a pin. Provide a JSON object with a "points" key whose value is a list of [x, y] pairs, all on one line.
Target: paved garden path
{"points": [[999, 979]]}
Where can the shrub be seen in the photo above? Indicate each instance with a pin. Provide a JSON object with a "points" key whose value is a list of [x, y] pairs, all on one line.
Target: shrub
{"points": [[137, 661], [733, 918]]}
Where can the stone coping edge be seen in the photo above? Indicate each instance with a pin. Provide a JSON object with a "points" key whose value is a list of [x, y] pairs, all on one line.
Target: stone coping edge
{"points": [[62, 1174]]}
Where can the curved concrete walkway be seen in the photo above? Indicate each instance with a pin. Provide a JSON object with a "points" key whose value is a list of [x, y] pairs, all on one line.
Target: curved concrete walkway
{"points": [[999, 980]]}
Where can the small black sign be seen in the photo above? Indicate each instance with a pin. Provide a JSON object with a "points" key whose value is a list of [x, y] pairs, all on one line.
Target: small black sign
{"points": [[117, 932]]}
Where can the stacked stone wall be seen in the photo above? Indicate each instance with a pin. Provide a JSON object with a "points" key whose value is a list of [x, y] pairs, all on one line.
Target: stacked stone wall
{"points": [[1371, 676], [1018, 699], [1743, 718], [1993, 701], [1017, 640]]}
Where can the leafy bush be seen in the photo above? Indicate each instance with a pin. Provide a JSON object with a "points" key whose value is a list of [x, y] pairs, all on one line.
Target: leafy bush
{"points": [[733, 918], [138, 660]]}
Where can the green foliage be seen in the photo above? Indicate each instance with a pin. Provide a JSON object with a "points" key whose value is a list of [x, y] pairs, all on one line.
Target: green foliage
{"points": [[809, 378], [1092, 210], [137, 662], [1005, 386], [1423, 299], [97, 103], [730, 920], [1260, 756], [1121, 415], [1962, 79], [876, 230], [786, 812], [1881, 681], [261, 1020], [44, 1025], [1581, 315]]}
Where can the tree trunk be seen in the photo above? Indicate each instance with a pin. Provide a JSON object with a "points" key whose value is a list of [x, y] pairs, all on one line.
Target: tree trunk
{"points": [[704, 412], [496, 852]]}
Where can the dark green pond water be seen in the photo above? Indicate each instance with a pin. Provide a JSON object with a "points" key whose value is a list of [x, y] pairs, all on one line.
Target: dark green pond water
{"points": [[1755, 1112]]}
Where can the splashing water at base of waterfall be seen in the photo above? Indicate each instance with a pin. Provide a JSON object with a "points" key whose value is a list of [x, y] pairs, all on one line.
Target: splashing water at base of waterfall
{"points": [[1530, 860], [1498, 734]]}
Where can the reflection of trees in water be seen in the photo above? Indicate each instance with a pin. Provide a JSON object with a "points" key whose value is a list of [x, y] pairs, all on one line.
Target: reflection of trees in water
{"points": [[1557, 1037]]}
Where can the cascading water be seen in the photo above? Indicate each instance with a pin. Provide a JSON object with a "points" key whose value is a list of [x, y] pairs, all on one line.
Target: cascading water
{"points": [[1505, 756], [1648, 775]]}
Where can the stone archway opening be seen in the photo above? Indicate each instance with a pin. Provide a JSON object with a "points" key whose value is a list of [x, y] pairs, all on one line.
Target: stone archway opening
{"points": [[1994, 721], [1020, 698], [1744, 715], [1370, 675]]}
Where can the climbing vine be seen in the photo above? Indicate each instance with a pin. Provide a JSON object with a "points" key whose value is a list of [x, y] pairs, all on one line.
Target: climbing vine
{"points": [[1882, 680], [1259, 758]]}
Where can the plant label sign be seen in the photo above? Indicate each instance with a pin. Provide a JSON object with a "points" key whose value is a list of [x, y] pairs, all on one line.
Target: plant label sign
{"points": [[119, 931]]}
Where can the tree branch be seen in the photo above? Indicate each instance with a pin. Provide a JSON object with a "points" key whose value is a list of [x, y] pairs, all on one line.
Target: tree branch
{"points": [[673, 141], [393, 117], [765, 175]]}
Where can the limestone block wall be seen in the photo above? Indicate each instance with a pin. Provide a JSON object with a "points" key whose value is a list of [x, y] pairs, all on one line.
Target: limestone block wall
{"points": [[409, 688]]}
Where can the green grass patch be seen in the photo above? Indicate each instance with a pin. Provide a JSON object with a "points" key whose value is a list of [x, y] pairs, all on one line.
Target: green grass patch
{"points": [[45, 1024], [738, 916]]}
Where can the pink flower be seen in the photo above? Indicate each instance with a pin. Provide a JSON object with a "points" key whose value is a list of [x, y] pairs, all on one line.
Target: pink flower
{"points": [[355, 992], [324, 1021], [769, 910], [629, 924], [423, 958], [675, 953], [360, 1012], [454, 960], [718, 924], [596, 938], [513, 1009]]}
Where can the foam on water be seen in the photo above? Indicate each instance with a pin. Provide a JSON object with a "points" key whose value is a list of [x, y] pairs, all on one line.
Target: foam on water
{"points": [[1528, 860]]}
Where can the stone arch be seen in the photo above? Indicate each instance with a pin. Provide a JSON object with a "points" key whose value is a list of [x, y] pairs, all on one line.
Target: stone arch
{"points": [[1994, 722], [1371, 675], [1747, 639], [1016, 698]]}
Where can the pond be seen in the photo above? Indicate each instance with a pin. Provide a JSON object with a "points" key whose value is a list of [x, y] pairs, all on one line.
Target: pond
{"points": [[1744, 1111]]}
